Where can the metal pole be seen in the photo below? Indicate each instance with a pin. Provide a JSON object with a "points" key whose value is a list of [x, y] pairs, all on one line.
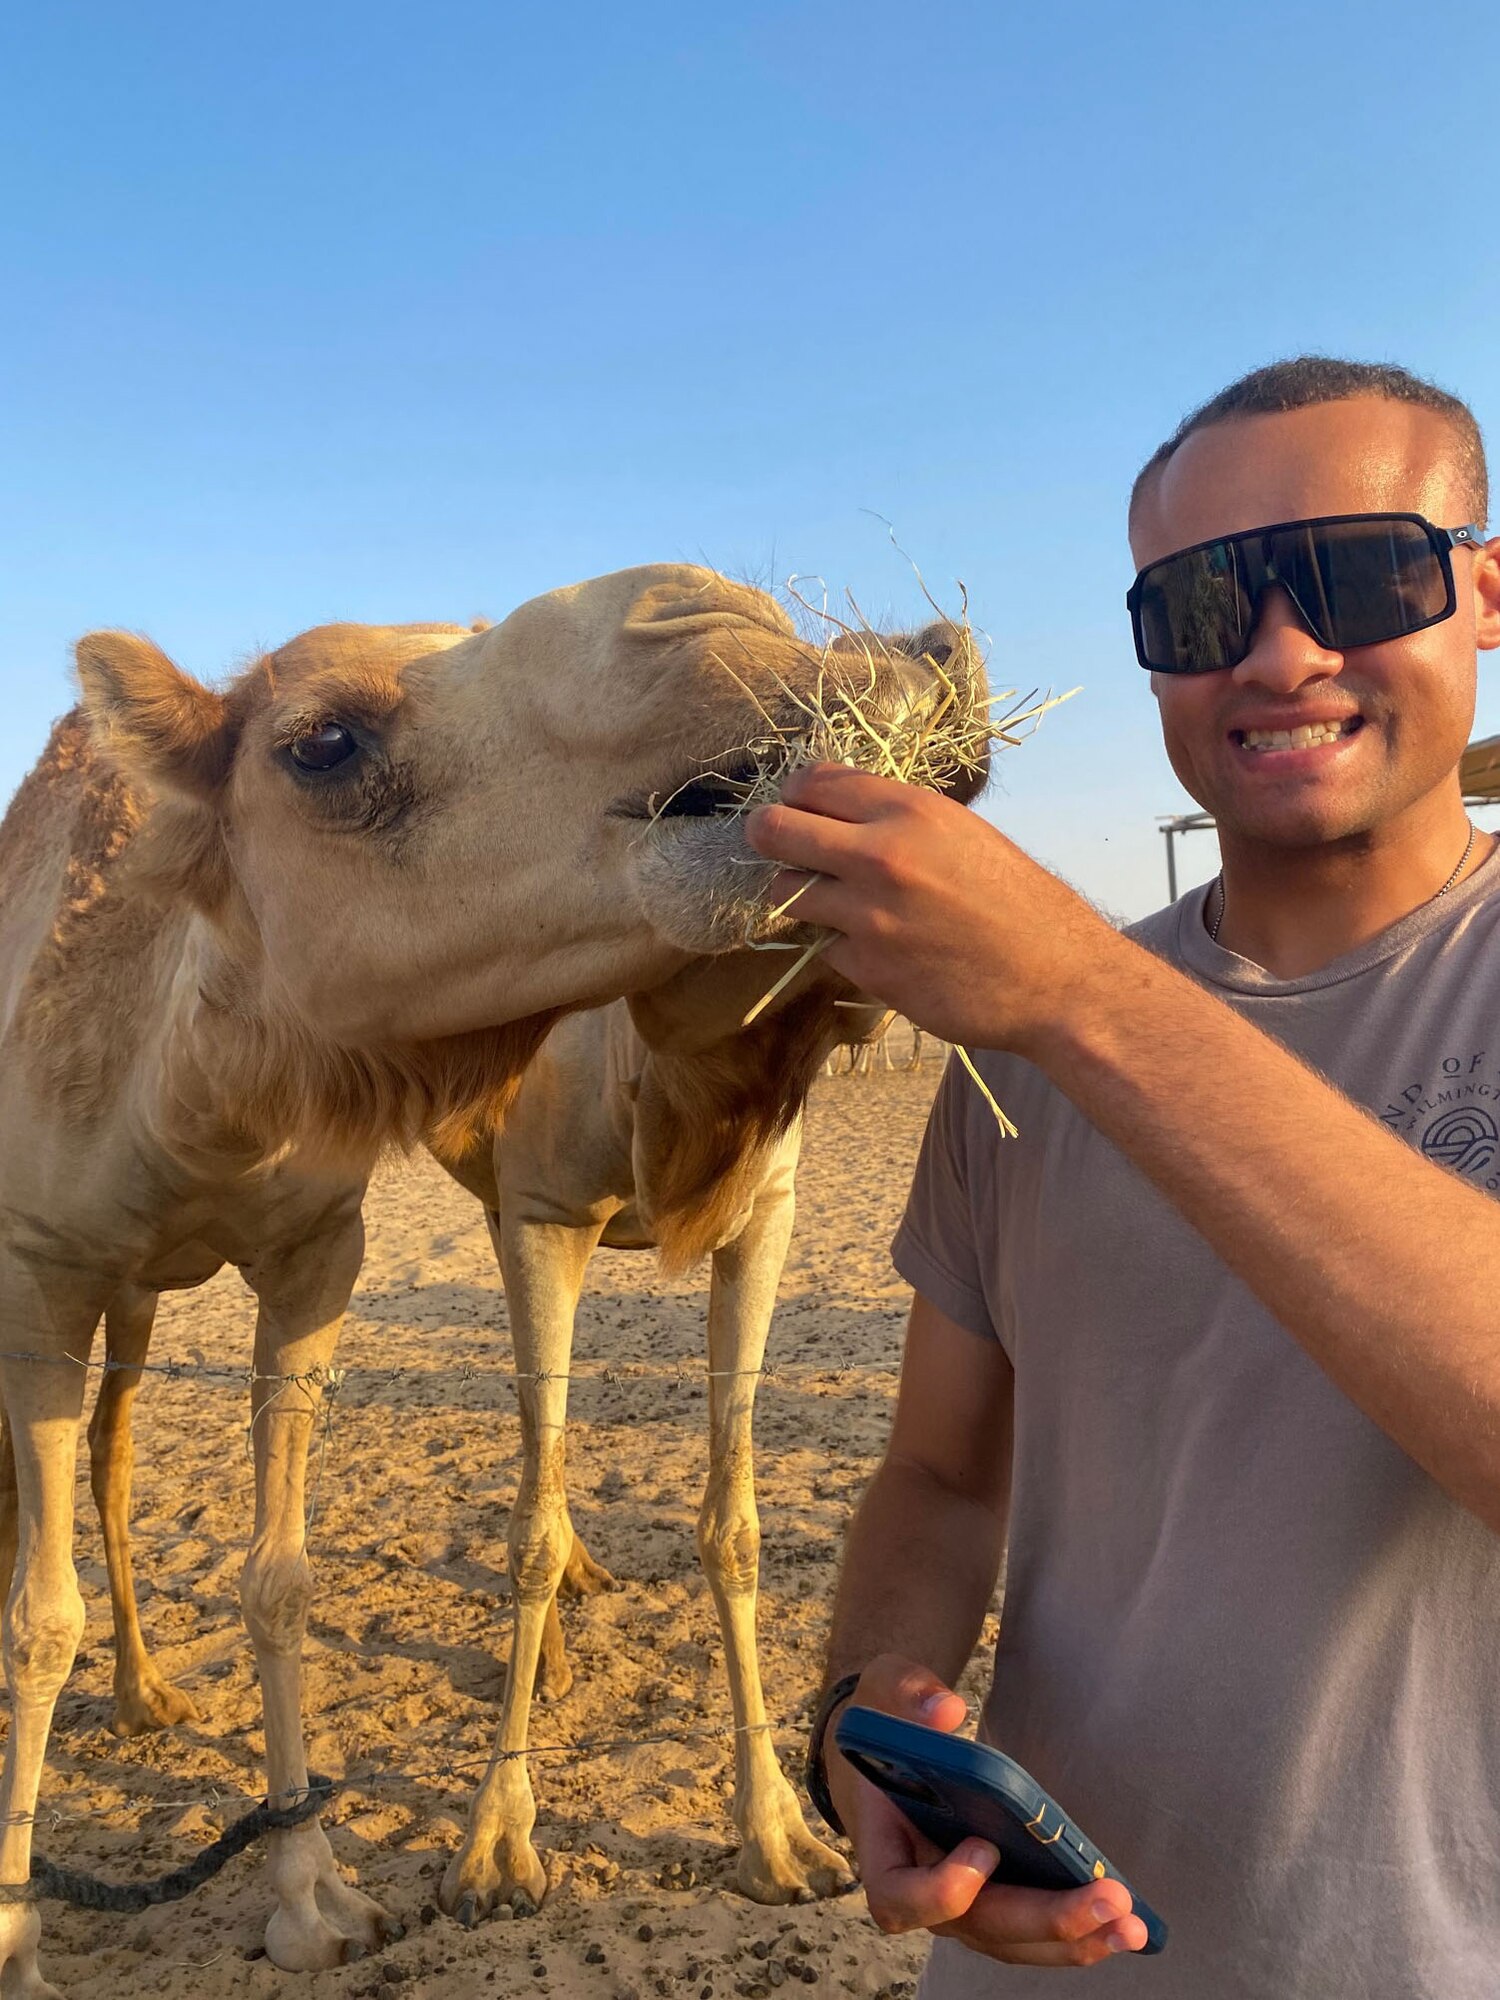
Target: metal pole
{"points": [[1167, 832]]}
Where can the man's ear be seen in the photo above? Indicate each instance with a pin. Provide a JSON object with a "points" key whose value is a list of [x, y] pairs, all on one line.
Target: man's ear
{"points": [[157, 723], [1487, 596]]}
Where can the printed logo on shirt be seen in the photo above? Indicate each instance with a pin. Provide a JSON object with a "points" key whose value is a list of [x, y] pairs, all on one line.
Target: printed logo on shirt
{"points": [[1465, 1139], [1452, 1117]]}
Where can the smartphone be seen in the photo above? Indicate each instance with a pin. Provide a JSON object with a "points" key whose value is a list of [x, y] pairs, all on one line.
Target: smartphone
{"points": [[950, 1788]]}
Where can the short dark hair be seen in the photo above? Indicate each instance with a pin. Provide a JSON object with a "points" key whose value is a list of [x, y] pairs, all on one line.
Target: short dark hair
{"points": [[1322, 378]]}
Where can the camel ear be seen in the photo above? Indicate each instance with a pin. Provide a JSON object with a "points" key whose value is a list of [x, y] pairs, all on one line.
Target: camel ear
{"points": [[156, 722]]}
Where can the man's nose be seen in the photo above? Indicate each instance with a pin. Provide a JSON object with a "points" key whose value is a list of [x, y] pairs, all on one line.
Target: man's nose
{"points": [[1284, 655]]}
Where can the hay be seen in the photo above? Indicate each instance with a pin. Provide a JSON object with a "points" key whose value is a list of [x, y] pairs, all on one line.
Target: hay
{"points": [[931, 742]]}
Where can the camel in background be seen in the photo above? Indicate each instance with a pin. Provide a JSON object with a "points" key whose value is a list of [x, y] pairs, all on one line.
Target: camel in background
{"points": [[249, 938], [873, 1051], [690, 1147], [659, 1122]]}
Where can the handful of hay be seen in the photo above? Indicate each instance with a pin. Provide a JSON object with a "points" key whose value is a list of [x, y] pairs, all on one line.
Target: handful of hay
{"points": [[865, 710]]}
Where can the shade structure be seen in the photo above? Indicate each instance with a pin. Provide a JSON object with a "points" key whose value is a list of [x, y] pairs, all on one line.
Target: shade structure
{"points": [[1479, 772]]}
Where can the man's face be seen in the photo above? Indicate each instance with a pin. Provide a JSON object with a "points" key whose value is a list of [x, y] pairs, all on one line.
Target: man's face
{"points": [[1404, 709]]}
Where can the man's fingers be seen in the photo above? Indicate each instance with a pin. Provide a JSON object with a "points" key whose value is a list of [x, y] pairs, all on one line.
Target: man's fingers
{"points": [[839, 791], [806, 840], [1092, 1950], [1050, 1927], [923, 1898], [953, 1897]]}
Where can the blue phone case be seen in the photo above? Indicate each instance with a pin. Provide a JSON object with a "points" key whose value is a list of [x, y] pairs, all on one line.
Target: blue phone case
{"points": [[950, 1788]]}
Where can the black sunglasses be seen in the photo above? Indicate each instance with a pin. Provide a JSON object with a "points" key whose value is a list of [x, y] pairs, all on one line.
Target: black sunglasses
{"points": [[1354, 579]]}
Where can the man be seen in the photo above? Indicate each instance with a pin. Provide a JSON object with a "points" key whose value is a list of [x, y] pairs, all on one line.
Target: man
{"points": [[1214, 1346]]}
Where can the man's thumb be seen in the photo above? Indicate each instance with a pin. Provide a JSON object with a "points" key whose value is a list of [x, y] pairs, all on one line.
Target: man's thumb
{"points": [[906, 1688]]}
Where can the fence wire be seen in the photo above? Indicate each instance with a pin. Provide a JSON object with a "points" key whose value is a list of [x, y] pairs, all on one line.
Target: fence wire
{"points": [[329, 1386]]}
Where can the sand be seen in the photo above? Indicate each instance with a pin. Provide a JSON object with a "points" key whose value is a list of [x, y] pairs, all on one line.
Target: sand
{"points": [[404, 1661]]}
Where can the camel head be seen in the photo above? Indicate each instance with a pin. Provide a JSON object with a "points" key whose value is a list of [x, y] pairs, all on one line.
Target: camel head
{"points": [[889, 703], [417, 831]]}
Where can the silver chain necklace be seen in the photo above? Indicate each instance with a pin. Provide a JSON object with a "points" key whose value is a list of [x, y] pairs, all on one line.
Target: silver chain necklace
{"points": [[1213, 929]]}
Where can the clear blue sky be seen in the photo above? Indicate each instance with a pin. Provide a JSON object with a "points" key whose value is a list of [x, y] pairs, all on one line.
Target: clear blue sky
{"points": [[391, 312]]}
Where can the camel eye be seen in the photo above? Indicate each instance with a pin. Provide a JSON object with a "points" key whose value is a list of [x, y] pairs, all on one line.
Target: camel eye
{"points": [[323, 748]]}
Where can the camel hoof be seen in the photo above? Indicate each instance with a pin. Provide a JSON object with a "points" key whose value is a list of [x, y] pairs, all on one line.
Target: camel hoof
{"points": [[149, 1705], [791, 1866], [321, 1921], [553, 1680], [316, 1945], [20, 1975], [583, 1576], [478, 1882]]}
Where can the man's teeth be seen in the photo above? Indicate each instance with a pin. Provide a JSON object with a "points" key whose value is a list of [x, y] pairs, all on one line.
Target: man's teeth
{"points": [[1297, 739]]}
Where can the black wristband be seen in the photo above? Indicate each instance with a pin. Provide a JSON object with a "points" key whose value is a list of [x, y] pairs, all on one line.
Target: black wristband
{"points": [[815, 1772]]}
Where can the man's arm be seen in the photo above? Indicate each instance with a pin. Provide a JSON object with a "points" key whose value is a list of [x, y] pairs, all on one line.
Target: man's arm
{"points": [[919, 1571], [1382, 1265]]}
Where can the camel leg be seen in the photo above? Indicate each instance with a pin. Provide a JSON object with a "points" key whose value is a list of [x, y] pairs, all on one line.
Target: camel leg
{"points": [[44, 1610], [543, 1265], [319, 1920], [582, 1576], [780, 1860], [143, 1699]]}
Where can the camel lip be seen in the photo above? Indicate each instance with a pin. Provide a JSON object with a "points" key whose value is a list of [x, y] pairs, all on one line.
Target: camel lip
{"points": [[967, 782]]}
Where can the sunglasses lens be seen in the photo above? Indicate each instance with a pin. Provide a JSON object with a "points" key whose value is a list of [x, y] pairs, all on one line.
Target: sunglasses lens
{"points": [[1360, 582], [1193, 611]]}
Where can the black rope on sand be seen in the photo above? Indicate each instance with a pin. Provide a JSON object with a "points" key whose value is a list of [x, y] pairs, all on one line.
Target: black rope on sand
{"points": [[91, 1892]]}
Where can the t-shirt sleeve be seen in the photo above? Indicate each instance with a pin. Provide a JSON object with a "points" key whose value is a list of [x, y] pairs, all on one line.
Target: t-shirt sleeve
{"points": [[935, 1249]]}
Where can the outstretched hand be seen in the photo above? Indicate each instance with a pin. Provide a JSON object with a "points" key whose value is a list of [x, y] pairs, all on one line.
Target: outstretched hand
{"points": [[939, 915], [911, 1885]]}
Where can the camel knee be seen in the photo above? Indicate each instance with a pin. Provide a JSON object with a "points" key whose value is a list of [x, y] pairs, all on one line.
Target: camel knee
{"points": [[43, 1628], [729, 1536], [541, 1537], [275, 1593]]}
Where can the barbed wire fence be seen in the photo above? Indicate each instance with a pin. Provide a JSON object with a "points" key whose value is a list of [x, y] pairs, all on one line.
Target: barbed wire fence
{"points": [[329, 1391]]}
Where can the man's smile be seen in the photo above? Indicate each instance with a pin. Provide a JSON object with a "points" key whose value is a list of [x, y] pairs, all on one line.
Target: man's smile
{"points": [[1314, 733]]}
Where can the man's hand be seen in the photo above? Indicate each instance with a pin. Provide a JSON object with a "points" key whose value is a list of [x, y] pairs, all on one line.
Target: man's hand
{"points": [[910, 1885], [941, 916]]}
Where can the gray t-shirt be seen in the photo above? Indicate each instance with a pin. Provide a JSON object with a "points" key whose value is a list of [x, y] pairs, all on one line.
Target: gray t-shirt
{"points": [[1249, 1645]]}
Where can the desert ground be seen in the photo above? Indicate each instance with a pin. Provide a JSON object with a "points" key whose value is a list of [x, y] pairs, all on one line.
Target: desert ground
{"points": [[405, 1660]]}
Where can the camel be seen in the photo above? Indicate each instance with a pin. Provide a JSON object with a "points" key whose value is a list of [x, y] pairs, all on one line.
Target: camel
{"points": [[873, 1051], [251, 937]]}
